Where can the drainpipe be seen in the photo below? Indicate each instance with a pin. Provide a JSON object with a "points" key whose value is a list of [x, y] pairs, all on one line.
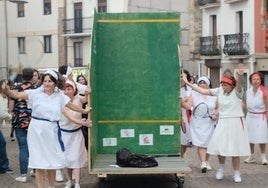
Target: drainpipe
{"points": [[6, 27]]}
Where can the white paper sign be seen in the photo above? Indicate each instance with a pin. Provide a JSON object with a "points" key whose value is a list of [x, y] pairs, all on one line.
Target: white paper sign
{"points": [[109, 141], [166, 130], [146, 139]]}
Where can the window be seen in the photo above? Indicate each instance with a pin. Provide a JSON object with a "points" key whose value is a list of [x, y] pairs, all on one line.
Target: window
{"points": [[78, 54], [213, 25], [47, 7], [20, 9], [102, 5], [47, 44], [239, 21], [213, 32], [239, 28], [78, 24], [21, 45]]}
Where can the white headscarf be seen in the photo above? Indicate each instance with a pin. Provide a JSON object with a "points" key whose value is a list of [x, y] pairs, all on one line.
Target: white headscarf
{"points": [[71, 83], [205, 79], [52, 73]]}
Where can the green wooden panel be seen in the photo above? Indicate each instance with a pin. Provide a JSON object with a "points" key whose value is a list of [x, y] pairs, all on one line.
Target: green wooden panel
{"points": [[135, 80]]}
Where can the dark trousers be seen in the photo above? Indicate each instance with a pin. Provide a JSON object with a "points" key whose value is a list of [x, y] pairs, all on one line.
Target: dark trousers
{"points": [[4, 163]]}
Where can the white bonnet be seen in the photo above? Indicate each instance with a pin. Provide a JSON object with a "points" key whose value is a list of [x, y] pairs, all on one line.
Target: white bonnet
{"points": [[205, 79]]}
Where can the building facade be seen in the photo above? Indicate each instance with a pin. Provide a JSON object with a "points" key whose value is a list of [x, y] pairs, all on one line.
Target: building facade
{"points": [[46, 34], [233, 31], [32, 35]]}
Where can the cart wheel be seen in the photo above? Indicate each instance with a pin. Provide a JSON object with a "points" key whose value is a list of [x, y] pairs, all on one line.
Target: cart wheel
{"points": [[180, 181]]}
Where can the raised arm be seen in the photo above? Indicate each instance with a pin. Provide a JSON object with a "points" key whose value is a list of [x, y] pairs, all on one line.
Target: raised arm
{"points": [[14, 94], [239, 79], [195, 87]]}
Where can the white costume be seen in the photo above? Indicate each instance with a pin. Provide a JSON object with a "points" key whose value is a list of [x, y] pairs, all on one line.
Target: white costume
{"points": [[202, 128], [230, 137], [185, 137], [256, 120], [45, 151], [74, 142]]}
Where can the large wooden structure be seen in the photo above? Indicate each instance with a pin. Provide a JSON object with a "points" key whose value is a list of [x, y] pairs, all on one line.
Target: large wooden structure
{"points": [[135, 77]]}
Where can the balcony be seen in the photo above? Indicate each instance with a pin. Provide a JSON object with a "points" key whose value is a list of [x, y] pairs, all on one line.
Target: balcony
{"points": [[77, 27], [208, 3], [236, 44], [210, 46]]}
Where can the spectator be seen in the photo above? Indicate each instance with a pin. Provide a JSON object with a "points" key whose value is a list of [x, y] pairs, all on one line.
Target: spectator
{"points": [[4, 115], [20, 122], [256, 118], [230, 137], [36, 78], [82, 80]]}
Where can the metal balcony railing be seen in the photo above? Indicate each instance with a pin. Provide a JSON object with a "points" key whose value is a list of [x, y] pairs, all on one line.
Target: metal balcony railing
{"points": [[210, 46], [77, 25], [204, 2], [236, 44]]}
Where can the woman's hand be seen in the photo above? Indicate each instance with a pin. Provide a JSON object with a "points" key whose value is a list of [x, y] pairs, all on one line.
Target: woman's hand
{"points": [[240, 69], [87, 122], [86, 110]]}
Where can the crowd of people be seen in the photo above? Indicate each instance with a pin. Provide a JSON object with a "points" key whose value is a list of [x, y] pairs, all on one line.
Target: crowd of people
{"points": [[46, 114], [225, 121]]}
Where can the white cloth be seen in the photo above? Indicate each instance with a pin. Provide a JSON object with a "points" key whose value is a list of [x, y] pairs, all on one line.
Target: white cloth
{"points": [[81, 88], [185, 138], [75, 150], [256, 120], [4, 115], [44, 148], [202, 128], [230, 137]]}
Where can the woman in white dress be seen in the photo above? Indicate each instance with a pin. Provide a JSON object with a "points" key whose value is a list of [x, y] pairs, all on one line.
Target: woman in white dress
{"points": [[230, 137], [202, 127], [72, 136], [46, 149], [256, 119]]}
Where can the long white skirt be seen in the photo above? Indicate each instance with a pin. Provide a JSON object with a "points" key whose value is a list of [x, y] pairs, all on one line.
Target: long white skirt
{"points": [[75, 149], [230, 138], [257, 128], [201, 131], [43, 144]]}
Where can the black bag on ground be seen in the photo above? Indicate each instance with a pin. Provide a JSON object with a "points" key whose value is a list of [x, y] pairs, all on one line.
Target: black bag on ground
{"points": [[124, 158]]}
